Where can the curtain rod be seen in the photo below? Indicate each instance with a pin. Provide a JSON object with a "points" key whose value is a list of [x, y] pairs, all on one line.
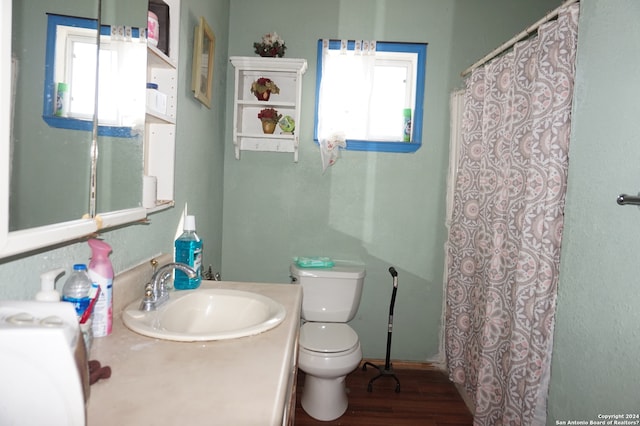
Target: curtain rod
{"points": [[531, 29]]}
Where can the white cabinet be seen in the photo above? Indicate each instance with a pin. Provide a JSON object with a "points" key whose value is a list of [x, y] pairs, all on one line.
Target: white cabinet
{"points": [[160, 123], [287, 74]]}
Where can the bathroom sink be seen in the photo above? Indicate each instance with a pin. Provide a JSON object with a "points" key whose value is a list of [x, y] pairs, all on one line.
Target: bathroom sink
{"points": [[206, 314]]}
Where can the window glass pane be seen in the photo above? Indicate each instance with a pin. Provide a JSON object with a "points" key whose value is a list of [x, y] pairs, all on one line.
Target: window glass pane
{"points": [[108, 86], [346, 100], [82, 75], [388, 100]]}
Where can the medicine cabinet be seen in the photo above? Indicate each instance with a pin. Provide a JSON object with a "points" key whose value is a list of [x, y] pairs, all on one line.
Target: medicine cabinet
{"points": [[248, 134], [156, 147]]}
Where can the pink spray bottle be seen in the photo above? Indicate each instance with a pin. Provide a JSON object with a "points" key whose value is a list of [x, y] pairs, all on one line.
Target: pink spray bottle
{"points": [[101, 272]]}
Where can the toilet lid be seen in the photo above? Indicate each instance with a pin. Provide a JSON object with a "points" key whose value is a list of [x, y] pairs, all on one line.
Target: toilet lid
{"points": [[327, 337]]}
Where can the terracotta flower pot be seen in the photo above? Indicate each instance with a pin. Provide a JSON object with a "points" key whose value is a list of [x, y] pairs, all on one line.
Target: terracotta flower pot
{"points": [[268, 126], [264, 96]]}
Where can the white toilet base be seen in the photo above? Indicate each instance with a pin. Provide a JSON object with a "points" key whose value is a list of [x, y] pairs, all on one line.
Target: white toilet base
{"points": [[324, 396], [324, 399]]}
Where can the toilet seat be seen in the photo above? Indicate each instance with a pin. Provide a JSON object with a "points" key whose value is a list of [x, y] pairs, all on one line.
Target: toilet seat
{"points": [[327, 337]]}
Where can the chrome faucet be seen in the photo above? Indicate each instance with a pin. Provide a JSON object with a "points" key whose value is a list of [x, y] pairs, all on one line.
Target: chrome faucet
{"points": [[156, 292]]}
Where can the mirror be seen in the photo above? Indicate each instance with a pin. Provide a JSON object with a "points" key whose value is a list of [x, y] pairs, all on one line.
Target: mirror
{"points": [[41, 191], [49, 168]]}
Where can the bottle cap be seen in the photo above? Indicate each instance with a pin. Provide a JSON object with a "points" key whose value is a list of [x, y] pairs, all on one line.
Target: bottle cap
{"points": [[189, 223], [79, 267]]}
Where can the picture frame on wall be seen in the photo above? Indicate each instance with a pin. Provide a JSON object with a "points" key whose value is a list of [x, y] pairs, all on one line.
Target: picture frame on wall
{"points": [[203, 52]]}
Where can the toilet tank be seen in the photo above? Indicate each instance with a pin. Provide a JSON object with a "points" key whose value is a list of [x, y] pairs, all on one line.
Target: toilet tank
{"points": [[330, 294]]}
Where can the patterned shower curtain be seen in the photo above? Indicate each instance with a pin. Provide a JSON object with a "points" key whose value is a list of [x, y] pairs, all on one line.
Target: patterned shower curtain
{"points": [[503, 251]]}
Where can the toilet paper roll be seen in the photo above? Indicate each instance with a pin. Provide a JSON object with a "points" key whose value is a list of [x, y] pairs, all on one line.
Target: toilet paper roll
{"points": [[149, 191]]}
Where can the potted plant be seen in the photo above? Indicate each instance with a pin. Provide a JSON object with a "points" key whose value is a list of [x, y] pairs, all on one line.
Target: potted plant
{"points": [[271, 45], [269, 118], [263, 87]]}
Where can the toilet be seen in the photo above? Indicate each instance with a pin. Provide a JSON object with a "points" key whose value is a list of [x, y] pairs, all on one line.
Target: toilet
{"points": [[329, 348]]}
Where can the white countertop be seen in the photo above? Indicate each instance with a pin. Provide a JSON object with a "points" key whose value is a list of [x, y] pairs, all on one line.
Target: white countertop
{"points": [[237, 382]]}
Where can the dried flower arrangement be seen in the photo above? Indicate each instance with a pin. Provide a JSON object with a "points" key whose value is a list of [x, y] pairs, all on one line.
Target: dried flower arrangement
{"points": [[271, 45], [269, 114], [263, 87]]}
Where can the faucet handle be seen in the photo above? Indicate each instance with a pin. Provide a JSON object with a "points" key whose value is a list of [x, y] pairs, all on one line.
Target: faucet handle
{"points": [[148, 289], [148, 300]]}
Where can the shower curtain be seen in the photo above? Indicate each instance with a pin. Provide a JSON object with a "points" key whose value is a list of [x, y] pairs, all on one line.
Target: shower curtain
{"points": [[503, 251]]}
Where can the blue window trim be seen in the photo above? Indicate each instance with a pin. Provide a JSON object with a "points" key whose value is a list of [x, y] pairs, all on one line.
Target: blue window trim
{"points": [[48, 103], [418, 109]]}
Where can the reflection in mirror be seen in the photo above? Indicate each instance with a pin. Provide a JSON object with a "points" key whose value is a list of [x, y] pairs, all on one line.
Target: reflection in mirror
{"points": [[50, 174], [69, 91], [49, 167], [121, 101], [120, 170], [123, 97]]}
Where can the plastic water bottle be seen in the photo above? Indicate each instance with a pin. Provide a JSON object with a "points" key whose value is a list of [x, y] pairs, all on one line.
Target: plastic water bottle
{"points": [[77, 288], [188, 250]]}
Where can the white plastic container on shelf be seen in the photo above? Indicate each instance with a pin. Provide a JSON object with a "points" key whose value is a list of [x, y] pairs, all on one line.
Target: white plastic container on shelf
{"points": [[156, 100]]}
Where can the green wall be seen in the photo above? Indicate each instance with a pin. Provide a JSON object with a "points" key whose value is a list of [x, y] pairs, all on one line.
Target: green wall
{"points": [[595, 366], [380, 208]]}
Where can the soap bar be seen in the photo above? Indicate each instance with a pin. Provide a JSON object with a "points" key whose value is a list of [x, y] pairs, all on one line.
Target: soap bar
{"points": [[314, 262]]}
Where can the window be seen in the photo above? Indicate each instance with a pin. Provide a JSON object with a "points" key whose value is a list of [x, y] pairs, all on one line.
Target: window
{"points": [[71, 59], [367, 91]]}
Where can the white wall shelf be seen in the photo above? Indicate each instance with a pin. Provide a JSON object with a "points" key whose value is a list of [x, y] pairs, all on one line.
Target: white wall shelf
{"points": [[247, 131], [160, 128]]}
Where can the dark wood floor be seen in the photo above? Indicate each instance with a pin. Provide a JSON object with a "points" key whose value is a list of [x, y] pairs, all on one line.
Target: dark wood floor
{"points": [[426, 398]]}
